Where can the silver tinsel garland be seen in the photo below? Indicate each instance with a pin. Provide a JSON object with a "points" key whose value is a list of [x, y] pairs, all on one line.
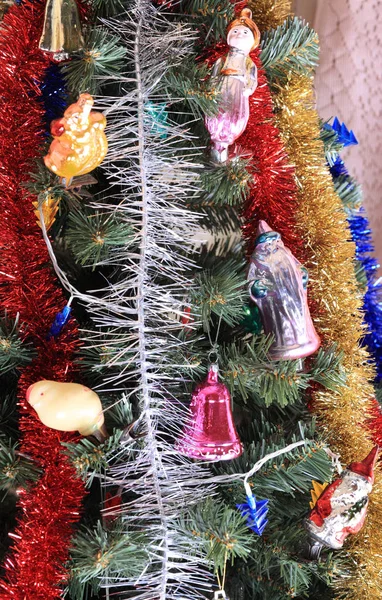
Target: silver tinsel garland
{"points": [[151, 179]]}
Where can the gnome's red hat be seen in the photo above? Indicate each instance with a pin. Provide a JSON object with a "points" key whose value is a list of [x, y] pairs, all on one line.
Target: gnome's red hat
{"points": [[366, 467]]}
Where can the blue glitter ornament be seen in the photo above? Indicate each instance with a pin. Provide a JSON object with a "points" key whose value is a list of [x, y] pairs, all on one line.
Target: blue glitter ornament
{"points": [[255, 511]]}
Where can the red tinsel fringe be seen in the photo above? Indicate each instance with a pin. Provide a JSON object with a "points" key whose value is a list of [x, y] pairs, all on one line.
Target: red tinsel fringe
{"points": [[273, 193], [35, 569]]}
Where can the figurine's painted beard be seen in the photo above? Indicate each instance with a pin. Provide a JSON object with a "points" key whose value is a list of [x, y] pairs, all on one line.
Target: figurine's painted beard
{"points": [[270, 248], [359, 488]]}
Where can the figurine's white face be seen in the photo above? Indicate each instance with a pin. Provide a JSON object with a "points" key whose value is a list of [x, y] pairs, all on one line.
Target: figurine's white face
{"points": [[241, 37]]}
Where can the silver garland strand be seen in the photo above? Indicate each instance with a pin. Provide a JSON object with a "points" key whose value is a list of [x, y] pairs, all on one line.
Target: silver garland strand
{"points": [[152, 178]]}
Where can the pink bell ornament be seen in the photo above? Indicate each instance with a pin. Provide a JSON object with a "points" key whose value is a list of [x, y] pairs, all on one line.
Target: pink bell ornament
{"points": [[278, 285], [211, 433]]}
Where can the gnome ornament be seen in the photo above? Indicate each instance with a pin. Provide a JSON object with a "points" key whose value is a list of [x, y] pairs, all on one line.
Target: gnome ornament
{"points": [[236, 79], [341, 508], [277, 284], [211, 434]]}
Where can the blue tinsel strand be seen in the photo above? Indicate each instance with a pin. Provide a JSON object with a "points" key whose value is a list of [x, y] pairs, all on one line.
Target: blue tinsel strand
{"points": [[362, 237], [338, 168], [54, 94]]}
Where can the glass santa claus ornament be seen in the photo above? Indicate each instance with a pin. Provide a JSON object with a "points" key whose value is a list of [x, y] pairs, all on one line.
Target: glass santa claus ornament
{"points": [[235, 78], [341, 508], [211, 433], [278, 285]]}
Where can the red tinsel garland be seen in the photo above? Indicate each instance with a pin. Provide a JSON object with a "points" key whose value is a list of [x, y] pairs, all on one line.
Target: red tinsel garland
{"points": [[35, 568], [273, 193]]}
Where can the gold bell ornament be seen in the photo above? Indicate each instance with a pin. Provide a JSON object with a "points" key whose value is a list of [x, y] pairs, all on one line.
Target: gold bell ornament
{"points": [[61, 33], [68, 407], [79, 143]]}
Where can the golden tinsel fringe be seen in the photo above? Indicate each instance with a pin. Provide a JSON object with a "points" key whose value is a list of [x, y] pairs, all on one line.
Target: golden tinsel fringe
{"points": [[269, 14], [333, 287]]}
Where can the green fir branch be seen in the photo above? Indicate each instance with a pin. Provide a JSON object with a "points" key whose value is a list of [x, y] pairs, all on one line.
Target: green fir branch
{"points": [[349, 191], [14, 351], [332, 145], [223, 220], [91, 459], [220, 292], [276, 566], [291, 48], [210, 17], [246, 369], [118, 413], [290, 473], [45, 185], [107, 8], [16, 470], [226, 184], [190, 83], [8, 415], [222, 531], [105, 553], [103, 57], [361, 277], [327, 369], [92, 237]]}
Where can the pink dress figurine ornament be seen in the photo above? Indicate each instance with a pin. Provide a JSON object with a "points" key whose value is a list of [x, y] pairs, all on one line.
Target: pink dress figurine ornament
{"points": [[236, 80], [277, 284]]}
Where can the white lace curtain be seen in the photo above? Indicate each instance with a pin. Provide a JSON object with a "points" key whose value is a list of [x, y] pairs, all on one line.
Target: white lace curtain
{"points": [[348, 85]]}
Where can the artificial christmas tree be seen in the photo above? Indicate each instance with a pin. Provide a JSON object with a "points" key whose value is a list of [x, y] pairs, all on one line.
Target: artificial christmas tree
{"points": [[155, 308]]}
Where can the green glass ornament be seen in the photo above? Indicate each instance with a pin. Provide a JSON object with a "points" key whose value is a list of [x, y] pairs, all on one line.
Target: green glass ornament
{"points": [[252, 320], [157, 118]]}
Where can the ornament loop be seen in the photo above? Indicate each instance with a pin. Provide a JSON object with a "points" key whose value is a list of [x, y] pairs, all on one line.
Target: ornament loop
{"points": [[213, 358]]}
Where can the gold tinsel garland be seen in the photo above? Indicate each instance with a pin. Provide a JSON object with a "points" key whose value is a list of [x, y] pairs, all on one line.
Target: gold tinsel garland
{"points": [[269, 14], [323, 225]]}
